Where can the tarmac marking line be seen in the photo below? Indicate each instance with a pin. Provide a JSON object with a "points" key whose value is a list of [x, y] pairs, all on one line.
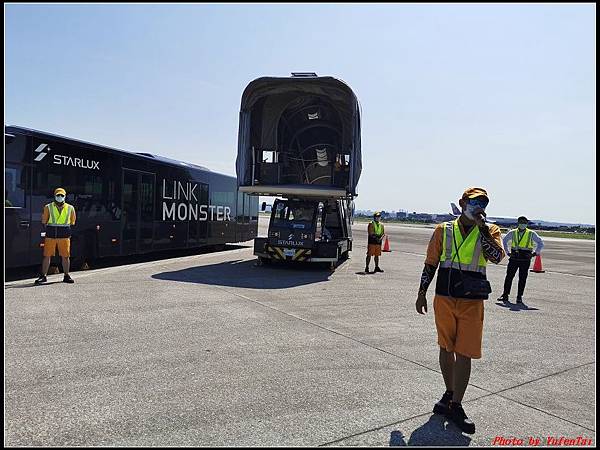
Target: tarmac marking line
{"points": [[428, 413], [490, 393]]}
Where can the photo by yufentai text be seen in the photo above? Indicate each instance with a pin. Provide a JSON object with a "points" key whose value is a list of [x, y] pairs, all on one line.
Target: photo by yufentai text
{"points": [[555, 441]]}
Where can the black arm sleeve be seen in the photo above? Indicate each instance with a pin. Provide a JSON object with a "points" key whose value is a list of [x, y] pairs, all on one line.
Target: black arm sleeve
{"points": [[491, 251], [427, 277]]}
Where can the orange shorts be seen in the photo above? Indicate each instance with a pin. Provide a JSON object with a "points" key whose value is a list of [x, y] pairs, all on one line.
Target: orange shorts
{"points": [[64, 247], [459, 324], [373, 250]]}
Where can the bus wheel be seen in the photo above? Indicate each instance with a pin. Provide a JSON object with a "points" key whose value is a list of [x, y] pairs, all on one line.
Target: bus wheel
{"points": [[264, 261]]}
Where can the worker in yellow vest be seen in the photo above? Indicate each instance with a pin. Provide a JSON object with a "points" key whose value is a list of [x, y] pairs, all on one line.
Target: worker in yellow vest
{"points": [[57, 217], [519, 244], [462, 249], [376, 232]]}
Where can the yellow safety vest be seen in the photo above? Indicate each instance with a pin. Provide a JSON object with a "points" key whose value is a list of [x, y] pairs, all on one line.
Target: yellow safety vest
{"points": [[59, 218], [377, 228], [470, 257], [525, 242]]}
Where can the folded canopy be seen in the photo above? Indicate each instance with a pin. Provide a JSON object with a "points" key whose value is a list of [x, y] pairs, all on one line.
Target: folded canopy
{"points": [[299, 131]]}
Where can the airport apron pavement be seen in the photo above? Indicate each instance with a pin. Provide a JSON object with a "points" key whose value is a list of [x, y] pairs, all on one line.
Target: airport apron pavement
{"points": [[214, 350]]}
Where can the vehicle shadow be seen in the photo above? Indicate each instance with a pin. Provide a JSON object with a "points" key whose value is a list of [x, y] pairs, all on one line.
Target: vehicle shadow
{"points": [[249, 274], [111, 261], [435, 432], [32, 284], [516, 306]]}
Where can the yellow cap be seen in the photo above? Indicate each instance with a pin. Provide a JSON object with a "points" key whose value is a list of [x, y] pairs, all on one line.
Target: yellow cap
{"points": [[474, 192], [60, 191]]}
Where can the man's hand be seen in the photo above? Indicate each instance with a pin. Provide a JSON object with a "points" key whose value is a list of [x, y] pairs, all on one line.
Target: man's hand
{"points": [[421, 303], [479, 217]]}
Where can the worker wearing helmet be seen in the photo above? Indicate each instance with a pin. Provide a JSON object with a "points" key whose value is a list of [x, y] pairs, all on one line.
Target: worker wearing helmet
{"points": [[57, 217], [376, 232]]}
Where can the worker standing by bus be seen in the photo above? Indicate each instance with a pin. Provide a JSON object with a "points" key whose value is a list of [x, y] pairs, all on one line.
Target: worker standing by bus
{"points": [[376, 232], [521, 251], [57, 217]]}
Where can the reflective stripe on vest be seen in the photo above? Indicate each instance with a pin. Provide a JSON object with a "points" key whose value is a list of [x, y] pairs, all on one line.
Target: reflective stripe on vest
{"points": [[469, 255], [525, 242], [59, 218], [377, 228]]}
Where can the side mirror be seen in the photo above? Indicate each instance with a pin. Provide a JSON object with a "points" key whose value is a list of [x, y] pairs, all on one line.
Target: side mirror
{"points": [[264, 206]]}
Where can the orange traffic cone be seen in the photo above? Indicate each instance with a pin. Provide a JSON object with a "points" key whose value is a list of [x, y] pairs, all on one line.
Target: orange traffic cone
{"points": [[386, 246], [537, 265]]}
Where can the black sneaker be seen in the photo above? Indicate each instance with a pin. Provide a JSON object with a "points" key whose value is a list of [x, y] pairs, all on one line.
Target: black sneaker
{"points": [[456, 414], [520, 300], [441, 407], [367, 270], [377, 269], [68, 279], [503, 298], [41, 280]]}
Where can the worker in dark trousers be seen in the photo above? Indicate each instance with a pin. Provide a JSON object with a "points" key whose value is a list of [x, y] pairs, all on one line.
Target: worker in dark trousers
{"points": [[375, 232], [519, 244]]}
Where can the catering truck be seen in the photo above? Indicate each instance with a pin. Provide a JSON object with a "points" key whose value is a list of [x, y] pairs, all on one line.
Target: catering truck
{"points": [[299, 140]]}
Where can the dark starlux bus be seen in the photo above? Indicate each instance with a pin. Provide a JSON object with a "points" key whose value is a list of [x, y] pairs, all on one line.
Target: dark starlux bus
{"points": [[126, 203]]}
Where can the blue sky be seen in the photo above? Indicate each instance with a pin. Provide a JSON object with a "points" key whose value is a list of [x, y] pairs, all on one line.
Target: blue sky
{"points": [[498, 96]]}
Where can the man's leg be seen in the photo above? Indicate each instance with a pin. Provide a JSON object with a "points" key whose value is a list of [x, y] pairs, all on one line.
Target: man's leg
{"points": [[367, 262], [511, 270], [66, 265], [45, 265], [462, 373], [523, 272], [447, 362], [455, 411], [376, 261]]}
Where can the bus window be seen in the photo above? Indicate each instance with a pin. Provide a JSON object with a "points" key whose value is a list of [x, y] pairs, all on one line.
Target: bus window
{"points": [[14, 186]]}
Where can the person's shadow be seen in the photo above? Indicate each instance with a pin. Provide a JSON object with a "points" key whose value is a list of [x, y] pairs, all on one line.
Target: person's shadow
{"points": [[516, 306], [247, 274], [435, 432]]}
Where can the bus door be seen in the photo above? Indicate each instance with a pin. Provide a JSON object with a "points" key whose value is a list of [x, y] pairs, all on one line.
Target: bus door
{"points": [[137, 222], [17, 216]]}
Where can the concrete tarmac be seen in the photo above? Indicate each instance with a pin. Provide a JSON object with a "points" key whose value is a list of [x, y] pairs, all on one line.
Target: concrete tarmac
{"points": [[213, 350]]}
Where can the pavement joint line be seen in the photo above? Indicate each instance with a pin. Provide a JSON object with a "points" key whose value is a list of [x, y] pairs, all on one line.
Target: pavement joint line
{"points": [[490, 393], [375, 429]]}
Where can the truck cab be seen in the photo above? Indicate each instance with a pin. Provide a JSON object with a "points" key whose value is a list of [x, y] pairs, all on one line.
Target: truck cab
{"points": [[307, 231]]}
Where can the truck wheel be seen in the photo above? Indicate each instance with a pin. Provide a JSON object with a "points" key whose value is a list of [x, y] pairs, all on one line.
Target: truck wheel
{"points": [[264, 261]]}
